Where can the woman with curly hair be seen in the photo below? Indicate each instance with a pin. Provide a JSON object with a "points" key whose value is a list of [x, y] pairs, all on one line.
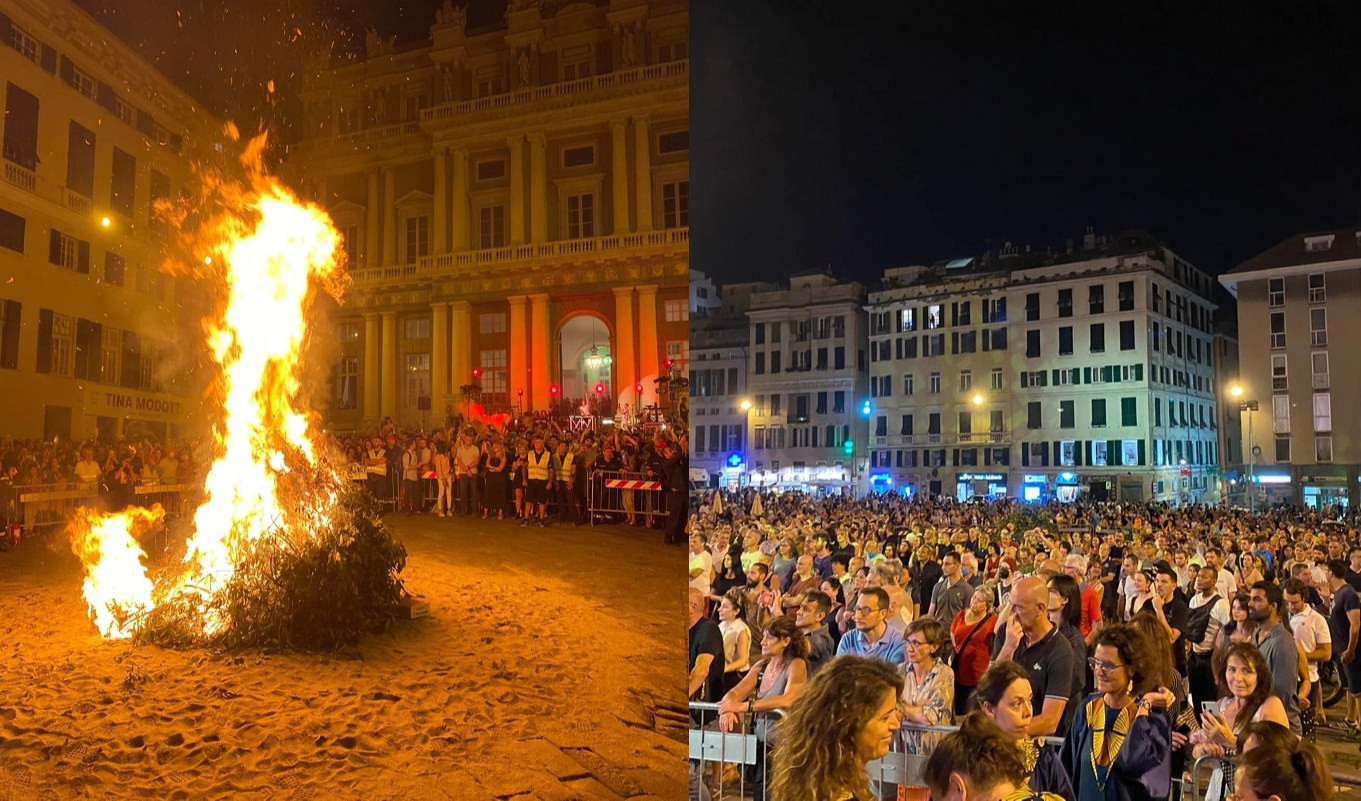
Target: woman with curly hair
{"points": [[1003, 694], [980, 762], [1120, 745], [844, 719]]}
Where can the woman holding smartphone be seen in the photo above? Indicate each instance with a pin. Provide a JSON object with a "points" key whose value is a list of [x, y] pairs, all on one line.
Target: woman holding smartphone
{"points": [[1245, 673]]}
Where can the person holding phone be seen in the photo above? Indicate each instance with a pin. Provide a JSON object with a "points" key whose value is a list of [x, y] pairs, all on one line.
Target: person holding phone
{"points": [[1245, 673]]}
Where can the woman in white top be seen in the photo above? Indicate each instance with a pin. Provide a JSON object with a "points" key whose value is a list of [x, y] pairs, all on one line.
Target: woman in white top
{"points": [[736, 638]]}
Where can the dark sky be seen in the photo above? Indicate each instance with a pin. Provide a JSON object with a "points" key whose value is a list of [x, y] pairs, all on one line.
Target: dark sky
{"points": [[872, 134], [224, 52]]}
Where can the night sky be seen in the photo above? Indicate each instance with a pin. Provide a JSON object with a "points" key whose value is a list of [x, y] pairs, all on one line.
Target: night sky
{"points": [[864, 136], [224, 52]]}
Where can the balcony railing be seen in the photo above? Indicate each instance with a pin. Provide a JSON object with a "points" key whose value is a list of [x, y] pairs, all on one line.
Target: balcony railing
{"points": [[367, 135], [475, 260], [25, 179], [610, 80], [75, 201]]}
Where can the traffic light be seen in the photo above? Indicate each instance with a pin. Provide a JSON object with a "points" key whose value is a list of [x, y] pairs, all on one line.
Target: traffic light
{"points": [[668, 363], [600, 389], [477, 372], [553, 390], [866, 409], [638, 388], [848, 447]]}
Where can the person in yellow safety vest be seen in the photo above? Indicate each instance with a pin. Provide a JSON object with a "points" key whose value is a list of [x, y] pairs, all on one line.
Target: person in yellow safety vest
{"points": [[564, 468], [538, 478]]}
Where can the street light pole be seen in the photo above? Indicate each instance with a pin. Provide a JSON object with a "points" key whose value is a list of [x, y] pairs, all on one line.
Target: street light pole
{"points": [[1250, 407]]}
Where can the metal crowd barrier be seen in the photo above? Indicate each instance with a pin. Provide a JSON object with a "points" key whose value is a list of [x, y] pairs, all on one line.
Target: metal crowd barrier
{"points": [[34, 508], [610, 493]]}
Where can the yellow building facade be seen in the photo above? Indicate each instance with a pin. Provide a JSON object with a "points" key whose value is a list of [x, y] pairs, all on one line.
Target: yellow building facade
{"points": [[92, 136], [515, 207]]}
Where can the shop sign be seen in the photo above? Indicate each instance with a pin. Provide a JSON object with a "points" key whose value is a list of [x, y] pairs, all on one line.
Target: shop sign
{"points": [[1033, 478], [982, 477], [120, 403]]}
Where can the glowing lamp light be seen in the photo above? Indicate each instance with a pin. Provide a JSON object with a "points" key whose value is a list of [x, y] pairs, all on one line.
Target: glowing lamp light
{"points": [[734, 460], [600, 389], [477, 372], [866, 409], [553, 390], [593, 361], [746, 405], [977, 399], [105, 221], [668, 364], [638, 388]]}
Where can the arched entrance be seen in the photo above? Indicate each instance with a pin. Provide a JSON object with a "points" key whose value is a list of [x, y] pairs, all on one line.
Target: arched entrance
{"points": [[586, 363]]}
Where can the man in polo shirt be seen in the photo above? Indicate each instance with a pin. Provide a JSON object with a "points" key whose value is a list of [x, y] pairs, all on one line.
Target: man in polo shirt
{"points": [[872, 636], [1311, 632], [1035, 643], [1277, 647], [952, 592]]}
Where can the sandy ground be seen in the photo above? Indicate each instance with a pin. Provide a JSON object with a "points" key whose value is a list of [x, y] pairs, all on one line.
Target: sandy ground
{"points": [[550, 668]]}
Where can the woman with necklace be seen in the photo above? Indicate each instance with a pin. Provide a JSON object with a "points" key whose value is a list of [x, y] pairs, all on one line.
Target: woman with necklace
{"points": [[1120, 744]]}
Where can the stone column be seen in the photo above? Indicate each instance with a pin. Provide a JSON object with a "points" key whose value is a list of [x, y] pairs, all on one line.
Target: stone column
{"points": [[519, 351], [619, 176], [642, 155], [389, 217], [373, 257], [648, 359], [389, 407], [538, 190], [372, 360], [625, 363], [461, 241], [439, 357], [540, 359], [517, 189], [462, 346], [441, 229]]}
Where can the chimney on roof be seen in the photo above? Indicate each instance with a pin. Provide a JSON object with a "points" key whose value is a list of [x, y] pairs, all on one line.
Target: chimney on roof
{"points": [[1089, 239]]}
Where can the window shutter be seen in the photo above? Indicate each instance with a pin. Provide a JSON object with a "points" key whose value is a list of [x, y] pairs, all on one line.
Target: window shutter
{"points": [[1025, 454], [132, 359], [9, 356], [48, 59], [82, 355], [1143, 452], [105, 97], [54, 247], [1078, 447], [1113, 452], [83, 259], [67, 71], [44, 341]]}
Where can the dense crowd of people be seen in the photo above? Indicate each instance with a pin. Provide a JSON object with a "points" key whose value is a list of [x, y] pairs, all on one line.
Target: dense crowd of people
{"points": [[489, 467], [1084, 650], [524, 467]]}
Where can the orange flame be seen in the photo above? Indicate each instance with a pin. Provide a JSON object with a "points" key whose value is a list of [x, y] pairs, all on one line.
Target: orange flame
{"points": [[270, 250]]}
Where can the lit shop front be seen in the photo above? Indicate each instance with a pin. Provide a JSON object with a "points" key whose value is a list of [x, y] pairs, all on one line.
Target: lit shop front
{"points": [[980, 485]]}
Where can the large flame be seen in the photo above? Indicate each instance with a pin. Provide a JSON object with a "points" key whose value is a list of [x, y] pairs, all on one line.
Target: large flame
{"points": [[271, 251]]}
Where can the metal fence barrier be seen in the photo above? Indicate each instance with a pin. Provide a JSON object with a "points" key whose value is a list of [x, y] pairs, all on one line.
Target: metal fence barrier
{"points": [[34, 508], [620, 494]]}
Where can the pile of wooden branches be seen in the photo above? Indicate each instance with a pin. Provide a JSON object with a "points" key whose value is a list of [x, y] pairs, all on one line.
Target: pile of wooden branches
{"points": [[315, 590]]}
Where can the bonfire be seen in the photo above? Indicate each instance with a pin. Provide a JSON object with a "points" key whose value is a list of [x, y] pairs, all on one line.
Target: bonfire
{"points": [[283, 550]]}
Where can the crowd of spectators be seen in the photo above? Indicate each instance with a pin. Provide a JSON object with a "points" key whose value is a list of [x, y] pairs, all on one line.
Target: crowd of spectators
{"points": [[1112, 644], [489, 467], [523, 467]]}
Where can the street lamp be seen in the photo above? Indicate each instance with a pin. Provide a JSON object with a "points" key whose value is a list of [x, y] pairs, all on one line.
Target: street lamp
{"points": [[978, 399], [1248, 406]]}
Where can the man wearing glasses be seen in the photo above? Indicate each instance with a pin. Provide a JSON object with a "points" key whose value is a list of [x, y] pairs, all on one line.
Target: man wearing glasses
{"points": [[872, 636]]}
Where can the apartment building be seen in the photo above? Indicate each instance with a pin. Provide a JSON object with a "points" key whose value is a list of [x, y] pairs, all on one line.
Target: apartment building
{"points": [[1297, 307], [807, 383], [718, 387], [89, 325], [1233, 484], [1038, 375], [515, 207]]}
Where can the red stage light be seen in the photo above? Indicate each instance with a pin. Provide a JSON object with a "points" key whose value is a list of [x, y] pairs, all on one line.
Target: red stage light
{"points": [[600, 389], [553, 389]]}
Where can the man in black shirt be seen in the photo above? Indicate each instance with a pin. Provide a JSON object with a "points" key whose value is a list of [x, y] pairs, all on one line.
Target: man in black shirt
{"points": [[706, 657], [1035, 643], [1353, 572], [1171, 611]]}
